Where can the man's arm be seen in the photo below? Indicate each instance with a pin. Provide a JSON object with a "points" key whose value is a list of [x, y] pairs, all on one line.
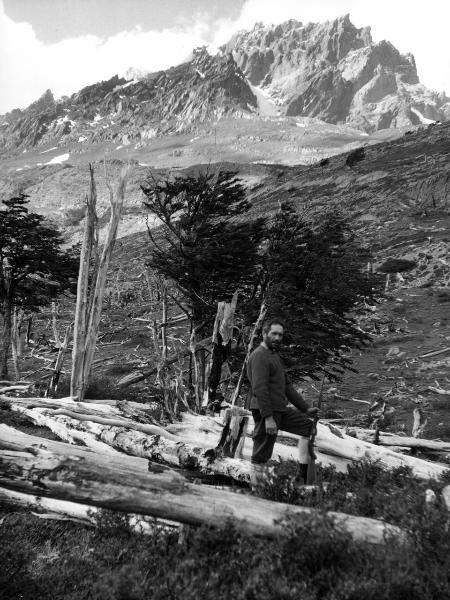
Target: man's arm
{"points": [[295, 398], [259, 369]]}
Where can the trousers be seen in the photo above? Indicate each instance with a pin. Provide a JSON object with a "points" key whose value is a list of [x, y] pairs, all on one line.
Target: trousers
{"points": [[291, 420]]}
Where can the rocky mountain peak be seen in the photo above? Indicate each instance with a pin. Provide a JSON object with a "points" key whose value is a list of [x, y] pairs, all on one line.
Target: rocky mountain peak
{"points": [[335, 71], [206, 87]]}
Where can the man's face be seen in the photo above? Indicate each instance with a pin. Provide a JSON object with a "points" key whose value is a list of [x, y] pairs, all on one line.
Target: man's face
{"points": [[274, 337]]}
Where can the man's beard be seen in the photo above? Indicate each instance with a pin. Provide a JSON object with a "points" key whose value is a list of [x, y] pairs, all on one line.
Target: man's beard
{"points": [[273, 345]]}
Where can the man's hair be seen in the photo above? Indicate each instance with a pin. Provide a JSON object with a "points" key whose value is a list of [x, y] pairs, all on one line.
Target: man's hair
{"points": [[275, 321]]}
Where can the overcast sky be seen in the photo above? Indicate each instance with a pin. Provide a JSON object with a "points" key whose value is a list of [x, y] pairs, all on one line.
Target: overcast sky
{"points": [[67, 44]]}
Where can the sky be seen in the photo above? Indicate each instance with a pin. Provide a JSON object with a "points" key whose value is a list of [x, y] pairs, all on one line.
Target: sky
{"points": [[64, 45]]}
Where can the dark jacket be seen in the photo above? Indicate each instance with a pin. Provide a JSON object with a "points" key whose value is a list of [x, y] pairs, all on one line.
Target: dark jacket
{"points": [[270, 391]]}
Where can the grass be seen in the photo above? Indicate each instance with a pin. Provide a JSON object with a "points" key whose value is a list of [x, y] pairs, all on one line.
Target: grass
{"points": [[311, 560]]}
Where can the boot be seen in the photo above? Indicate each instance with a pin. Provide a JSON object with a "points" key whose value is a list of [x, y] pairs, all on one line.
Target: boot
{"points": [[256, 474], [303, 456]]}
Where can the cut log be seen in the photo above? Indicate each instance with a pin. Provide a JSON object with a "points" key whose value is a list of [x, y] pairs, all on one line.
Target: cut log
{"points": [[50, 508], [32, 465]]}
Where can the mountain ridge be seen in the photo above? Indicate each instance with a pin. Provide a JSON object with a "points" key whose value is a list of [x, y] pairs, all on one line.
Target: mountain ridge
{"points": [[336, 72], [328, 71]]}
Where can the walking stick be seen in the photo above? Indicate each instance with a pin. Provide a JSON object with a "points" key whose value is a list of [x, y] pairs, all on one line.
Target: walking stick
{"points": [[311, 474]]}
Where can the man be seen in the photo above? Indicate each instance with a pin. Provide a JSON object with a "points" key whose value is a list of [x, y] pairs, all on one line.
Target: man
{"points": [[270, 393]]}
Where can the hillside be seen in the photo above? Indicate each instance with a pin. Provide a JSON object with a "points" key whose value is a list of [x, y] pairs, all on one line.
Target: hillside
{"points": [[398, 198]]}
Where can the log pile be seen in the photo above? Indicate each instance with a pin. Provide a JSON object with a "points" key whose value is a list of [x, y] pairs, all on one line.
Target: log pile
{"points": [[118, 436], [191, 443], [74, 474]]}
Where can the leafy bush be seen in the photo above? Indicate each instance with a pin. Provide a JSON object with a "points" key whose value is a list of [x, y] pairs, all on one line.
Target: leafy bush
{"points": [[355, 156]]}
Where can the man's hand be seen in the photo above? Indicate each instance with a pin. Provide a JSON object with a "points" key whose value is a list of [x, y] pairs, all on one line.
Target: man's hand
{"points": [[271, 426], [312, 411]]}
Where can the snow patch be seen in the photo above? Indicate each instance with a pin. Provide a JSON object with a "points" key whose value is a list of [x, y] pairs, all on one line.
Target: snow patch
{"points": [[65, 119], [125, 85], [202, 75], [82, 138], [300, 124], [49, 150], [119, 147], [56, 160], [423, 119]]}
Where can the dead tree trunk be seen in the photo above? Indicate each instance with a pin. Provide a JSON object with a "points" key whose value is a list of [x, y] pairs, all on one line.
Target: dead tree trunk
{"points": [[16, 346], [222, 335], [88, 248], [91, 300], [54, 306], [255, 331], [54, 380], [7, 309], [36, 466], [29, 332], [419, 423]]}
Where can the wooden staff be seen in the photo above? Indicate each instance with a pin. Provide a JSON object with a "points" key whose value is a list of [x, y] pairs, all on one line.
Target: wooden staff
{"points": [[311, 474]]}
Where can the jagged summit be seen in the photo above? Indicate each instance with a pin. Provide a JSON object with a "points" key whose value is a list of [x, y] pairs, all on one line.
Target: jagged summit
{"points": [[336, 72], [207, 87], [330, 71]]}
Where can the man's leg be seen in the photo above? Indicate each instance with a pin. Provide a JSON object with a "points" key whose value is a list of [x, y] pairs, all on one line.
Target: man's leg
{"points": [[262, 448], [293, 421]]}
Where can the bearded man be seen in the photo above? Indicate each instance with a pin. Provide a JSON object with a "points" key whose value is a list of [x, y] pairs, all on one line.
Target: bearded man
{"points": [[270, 395]]}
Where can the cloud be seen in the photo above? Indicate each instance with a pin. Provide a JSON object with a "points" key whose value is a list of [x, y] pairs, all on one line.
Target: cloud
{"points": [[28, 67]]}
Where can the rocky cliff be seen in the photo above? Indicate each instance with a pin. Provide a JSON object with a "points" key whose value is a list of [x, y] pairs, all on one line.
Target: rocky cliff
{"points": [[207, 87], [335, 71]]}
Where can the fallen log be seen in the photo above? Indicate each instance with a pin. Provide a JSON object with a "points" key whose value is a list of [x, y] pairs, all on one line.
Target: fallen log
{"points": [[52, 469], [201, 432], [435, 353], [439, 390], [64, 510], [175, 452], [330, 447], [391, 439], [191, 449]]}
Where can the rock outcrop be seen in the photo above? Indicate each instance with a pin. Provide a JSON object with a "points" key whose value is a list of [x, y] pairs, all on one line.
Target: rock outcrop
{"points": [[335, 72], [207, 87]]}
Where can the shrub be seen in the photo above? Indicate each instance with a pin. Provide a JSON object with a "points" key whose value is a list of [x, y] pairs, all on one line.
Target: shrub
{"points": [[355, 156]]}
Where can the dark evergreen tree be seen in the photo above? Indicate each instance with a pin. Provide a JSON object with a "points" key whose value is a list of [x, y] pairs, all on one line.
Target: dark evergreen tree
{"points": [[314, 276], [34, 269], [201, 245]]}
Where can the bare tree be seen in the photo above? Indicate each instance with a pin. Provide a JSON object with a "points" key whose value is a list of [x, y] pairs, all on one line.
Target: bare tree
{"points": [[91, 290]]}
